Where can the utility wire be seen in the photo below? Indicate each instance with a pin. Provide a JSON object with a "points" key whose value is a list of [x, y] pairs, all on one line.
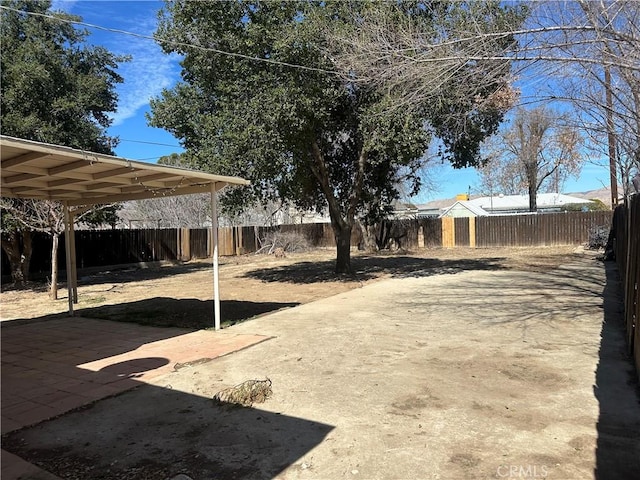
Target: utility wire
{"points": [[173, 42], [149, 143]]}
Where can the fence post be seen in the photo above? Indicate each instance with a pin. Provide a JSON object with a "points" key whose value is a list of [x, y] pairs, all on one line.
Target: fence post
{"points": [[184, 244], [634, 306], [239, 242], [448, 232], [629, 280], [472, 232]]}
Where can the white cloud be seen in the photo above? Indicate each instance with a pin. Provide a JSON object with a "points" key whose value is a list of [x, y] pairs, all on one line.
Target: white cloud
{"points": [[145, 76], [149, 71]]}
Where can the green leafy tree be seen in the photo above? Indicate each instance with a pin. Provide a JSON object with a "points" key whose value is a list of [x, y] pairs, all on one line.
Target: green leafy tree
{"points": [[105, 215], [311, 135], [596, 205], [56, 89]]}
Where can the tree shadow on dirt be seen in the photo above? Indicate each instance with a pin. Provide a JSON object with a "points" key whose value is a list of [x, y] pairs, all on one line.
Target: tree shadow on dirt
{"points": [[370, 267], [139, 274], [183, 313], [187, 313], [117, 274], [617, 391]]}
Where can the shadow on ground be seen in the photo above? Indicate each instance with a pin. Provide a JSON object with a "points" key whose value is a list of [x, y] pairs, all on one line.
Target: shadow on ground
{"points": [[617, 391], [183, 313], [154, 433], [121, 274], [370, 267]]}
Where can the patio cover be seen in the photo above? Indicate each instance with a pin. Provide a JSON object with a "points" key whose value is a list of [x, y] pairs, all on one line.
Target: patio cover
{"points": [[80, 179]]}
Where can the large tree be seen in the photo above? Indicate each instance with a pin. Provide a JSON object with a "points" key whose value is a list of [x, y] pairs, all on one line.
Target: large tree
{"points": [[55, 88], [602, 83], [264, 97], [586, 51]]}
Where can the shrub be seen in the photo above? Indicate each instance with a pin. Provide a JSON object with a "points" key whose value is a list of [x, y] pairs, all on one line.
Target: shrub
{"points": [[598, 237], [287, 241]]}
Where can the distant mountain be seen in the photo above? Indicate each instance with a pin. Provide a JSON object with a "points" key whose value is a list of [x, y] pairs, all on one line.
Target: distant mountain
{"points": [[444, 202], [602, 194]]}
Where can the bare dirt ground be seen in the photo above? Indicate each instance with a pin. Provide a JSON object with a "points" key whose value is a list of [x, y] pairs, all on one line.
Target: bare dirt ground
{"points": [[252, 285], [464, 364]]}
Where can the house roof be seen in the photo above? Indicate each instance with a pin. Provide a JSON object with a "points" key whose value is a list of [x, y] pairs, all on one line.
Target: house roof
{"points": [[475, 209], [521, 202], [43, 171]]}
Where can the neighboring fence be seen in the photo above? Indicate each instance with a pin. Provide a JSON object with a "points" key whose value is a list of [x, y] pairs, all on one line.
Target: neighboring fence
{"points": [[626, 226], [95, 248], [113, 247], [571, 228]]}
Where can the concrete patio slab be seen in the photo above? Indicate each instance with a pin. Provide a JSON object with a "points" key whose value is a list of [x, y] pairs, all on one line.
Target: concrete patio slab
{"points": [[54, 366], [15, 467]]}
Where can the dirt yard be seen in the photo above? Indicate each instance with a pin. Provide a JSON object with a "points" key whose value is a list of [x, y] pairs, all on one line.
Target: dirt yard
{"points": [[464, 364], [251, 285]]}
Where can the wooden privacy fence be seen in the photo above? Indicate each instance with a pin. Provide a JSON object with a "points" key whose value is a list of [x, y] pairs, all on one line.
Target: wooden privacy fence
{"points": [[571, 228], [626, 228], [112, 247]]}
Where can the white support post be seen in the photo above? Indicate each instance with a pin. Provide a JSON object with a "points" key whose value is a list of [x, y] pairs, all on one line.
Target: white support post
{"points": [[74, 266], [67, 249], [214, 254]]}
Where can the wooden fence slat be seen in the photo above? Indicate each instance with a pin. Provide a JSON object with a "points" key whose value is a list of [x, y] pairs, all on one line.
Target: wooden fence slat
{"points": [[448, 232], [626, 227]]}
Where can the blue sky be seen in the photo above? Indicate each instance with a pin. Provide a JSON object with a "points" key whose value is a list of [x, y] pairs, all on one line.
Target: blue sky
{"points": [[151, 70]]}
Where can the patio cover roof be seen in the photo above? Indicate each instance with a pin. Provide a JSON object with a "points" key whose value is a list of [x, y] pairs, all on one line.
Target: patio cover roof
{"points": [[79, 178], [52, 172]]}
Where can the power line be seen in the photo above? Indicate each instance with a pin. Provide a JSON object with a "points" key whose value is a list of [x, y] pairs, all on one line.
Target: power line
{"points": [[173, 42], [149, 143]]}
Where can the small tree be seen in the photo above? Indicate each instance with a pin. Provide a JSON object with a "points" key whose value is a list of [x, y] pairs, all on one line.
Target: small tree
{"points": [[42, 216], [47, 217], [538, 151]]}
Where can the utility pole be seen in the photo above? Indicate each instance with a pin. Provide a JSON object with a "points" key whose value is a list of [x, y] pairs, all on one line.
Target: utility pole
{"points": [[611, 137]]}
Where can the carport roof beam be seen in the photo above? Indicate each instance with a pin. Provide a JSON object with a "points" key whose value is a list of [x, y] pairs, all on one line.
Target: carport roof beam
{"points": [[39, 168]]}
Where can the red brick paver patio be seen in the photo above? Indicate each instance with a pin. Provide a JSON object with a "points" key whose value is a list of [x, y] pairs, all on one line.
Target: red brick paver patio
{"points": [[54, 366]]}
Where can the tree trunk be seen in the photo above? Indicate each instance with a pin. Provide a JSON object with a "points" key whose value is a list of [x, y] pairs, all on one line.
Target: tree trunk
{"points": [[27, 250], [342, 222], [343, 248], [383, 237], [53, 292], [368, 242], [533, 200], [17, 246]]}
